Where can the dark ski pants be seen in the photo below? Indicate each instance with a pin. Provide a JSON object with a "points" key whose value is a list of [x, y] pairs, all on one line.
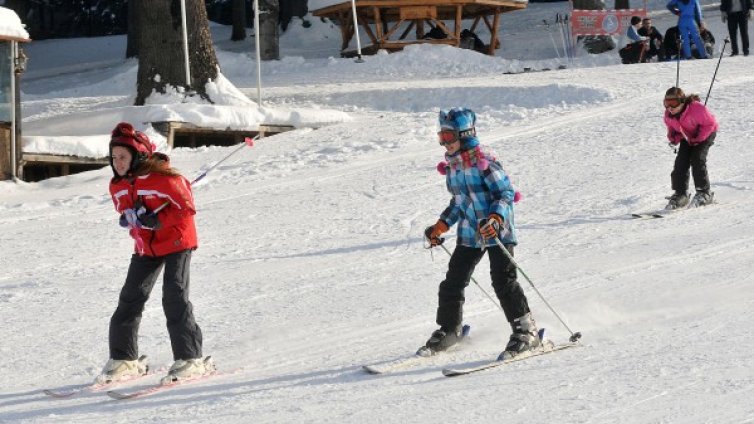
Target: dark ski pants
{"points": [[185, 334], [504, 281], [696, 158], [738, 21]]}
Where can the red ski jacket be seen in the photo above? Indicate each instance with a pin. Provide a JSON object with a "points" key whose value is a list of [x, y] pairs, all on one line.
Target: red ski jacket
{"points": [[177, 231]]}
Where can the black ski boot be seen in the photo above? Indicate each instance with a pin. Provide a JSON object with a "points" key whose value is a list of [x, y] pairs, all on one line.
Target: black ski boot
{"points": [[524, 337], [677, 200], [702, 198], [441, 340]]}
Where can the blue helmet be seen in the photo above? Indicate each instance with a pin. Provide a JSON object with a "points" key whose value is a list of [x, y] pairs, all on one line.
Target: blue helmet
{"points": [[462, 121]]}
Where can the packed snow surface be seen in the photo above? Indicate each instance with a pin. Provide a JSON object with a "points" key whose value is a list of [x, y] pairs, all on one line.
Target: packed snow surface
{"points": [[311, 262]]}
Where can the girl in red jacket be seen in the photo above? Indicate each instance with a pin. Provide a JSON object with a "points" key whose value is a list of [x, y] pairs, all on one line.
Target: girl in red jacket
{"points": [[692, 129], [157, 206]]}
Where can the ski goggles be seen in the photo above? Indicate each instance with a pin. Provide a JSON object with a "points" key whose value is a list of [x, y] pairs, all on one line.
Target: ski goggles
{"points": [[671, 102], [447, 137]]}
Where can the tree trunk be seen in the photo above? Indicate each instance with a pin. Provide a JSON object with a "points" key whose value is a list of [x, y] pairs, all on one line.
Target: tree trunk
{"points": [[239, 20], [132, 41], [161, 57], [268, 29]]}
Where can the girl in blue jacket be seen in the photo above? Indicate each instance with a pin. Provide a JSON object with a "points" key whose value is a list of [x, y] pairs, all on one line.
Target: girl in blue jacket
{"points": [[482, 206]]}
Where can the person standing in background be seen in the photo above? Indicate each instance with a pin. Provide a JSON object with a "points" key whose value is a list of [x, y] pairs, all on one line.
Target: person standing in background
{"points": [[736, 13]]}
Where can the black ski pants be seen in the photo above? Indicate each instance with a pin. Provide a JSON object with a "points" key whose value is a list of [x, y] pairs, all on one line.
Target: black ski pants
{"points": [[696, 158], [504, 281], [185, 334], [738, 21]]}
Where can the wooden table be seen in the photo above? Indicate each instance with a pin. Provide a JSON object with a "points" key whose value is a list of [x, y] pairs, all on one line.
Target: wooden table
{"points": [[381, 20]]}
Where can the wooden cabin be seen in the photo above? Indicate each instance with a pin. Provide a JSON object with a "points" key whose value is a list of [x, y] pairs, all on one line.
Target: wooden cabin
{"points": [[12, 64]]}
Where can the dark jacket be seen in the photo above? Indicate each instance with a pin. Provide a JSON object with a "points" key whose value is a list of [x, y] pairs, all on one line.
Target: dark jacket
{"points": [[725, 5]]}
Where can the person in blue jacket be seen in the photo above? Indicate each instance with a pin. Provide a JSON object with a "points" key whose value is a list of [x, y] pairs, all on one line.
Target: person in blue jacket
{"points": [[689, 18], [482, 206]]}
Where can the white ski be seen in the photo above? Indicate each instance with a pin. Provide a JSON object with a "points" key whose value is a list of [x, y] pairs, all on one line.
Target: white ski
{"points": [[422, 355], [159, 387], [547, 347]]}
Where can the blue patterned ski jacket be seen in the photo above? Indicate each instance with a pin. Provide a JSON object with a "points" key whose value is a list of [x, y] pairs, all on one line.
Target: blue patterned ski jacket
{"points": [[479, 186]]}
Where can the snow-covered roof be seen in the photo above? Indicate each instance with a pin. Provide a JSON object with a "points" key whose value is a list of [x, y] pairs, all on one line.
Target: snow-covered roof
{"points": [[11, 27]]}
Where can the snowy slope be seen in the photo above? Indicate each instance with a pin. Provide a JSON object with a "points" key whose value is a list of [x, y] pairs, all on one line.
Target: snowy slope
{"points": [[311, 262]]}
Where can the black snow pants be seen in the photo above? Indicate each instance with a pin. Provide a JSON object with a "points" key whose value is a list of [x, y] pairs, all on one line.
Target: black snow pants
{"points": [[504, 281], [185, 334], [695, 157], [738, 21]]}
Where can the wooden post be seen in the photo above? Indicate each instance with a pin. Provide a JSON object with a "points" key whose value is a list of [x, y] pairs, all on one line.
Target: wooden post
{"points": [[459, 23], [378, 26], [5, 153], [346, 30], [493, 33]]}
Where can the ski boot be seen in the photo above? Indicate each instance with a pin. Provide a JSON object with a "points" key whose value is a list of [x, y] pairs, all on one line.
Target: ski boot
{"points": [[122, 369], [525, 337], [702, 198], [188, 369], [441, 340], [677, 201]]}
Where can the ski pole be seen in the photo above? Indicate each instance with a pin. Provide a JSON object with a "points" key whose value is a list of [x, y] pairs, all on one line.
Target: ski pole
{"points": [[574, 336], [725, 43], [569, 41], [557, 52], [678, 61], [559, 20], [472, 279], [248, 141]]}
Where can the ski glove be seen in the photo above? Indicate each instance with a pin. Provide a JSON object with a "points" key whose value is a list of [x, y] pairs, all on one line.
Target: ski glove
{"points": [[490, 227], [139, 218], [433, 232], [129, 219], [149, 221]]}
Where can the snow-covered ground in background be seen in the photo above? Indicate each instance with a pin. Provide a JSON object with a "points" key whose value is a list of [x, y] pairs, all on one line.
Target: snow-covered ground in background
{"points": [[311, 261]]}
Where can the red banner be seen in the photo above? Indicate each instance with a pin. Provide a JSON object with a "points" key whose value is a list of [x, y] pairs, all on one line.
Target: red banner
{"points": [[603, 22]]}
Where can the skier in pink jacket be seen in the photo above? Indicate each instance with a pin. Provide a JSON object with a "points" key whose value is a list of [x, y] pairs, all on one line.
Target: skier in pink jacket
{"points": [[692, 129]]}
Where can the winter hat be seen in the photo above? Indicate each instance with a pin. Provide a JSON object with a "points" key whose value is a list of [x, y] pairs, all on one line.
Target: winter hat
{"points": [[462, 121], [137, 142]]}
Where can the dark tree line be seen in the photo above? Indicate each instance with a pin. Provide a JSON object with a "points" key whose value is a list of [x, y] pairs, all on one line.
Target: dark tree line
{"points": [[91, 18], [71, 18]]}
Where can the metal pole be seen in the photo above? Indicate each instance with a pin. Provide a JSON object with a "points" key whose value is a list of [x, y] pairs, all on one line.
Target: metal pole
{"points": [[557, 52], [13, 56], [559, 21], [356, 32], [678, 61], [727, 40], [259, 52], [185, 44], [247, 142]]}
